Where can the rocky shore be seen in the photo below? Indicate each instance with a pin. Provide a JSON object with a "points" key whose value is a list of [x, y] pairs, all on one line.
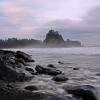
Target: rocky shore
{"points": [[16, 70]]}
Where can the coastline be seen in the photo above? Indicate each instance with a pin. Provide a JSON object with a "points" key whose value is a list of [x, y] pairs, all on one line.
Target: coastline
{"points": [[28, 92]]}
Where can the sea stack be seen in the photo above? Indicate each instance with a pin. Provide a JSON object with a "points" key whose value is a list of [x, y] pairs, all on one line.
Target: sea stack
{"points": [[53, 38]]}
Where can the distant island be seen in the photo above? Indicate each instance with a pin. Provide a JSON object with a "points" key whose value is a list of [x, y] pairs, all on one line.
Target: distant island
{"points": [[53, 39]]}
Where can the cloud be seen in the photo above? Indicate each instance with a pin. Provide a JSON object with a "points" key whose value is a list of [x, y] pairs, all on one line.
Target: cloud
{"points": [[93, 16], [16, 19], [77, 19], [10, 7]]}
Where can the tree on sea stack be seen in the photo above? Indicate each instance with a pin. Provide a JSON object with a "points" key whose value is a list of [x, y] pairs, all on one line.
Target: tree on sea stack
{"points": [[53, 38]]}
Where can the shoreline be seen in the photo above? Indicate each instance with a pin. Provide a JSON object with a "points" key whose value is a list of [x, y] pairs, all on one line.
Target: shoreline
{"points": [[15, 68]]}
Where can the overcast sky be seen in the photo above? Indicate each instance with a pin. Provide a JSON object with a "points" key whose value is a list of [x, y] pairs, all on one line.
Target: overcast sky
{"points": [[74, 19]]}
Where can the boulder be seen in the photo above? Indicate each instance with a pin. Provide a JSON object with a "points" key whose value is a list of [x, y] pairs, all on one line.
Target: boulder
{"points": [[60, 62], [31, 88], [85, 92], [1, 51], [24, 56], [75, 68], [47, 70], [97, 74], [51, 66], [21, 61], [9, 85], [9, 51], [8, 58], [29, 69], [19, 65], [60, 78]]}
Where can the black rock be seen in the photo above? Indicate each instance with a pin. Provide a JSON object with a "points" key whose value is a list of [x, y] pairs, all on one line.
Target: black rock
{"points": [[30, 70], [7, 58], [1, 51], [31, 88], [21, 61], [8, 51], [75, 68], [10, 86], [98, 74], [60, 78], [51, 65], [24, 56], [47, 70], [60, 62], [86, 92], [20, 65]]}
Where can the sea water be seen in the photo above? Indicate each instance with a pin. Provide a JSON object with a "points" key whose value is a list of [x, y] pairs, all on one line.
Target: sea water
{"points": [[87, 59]]}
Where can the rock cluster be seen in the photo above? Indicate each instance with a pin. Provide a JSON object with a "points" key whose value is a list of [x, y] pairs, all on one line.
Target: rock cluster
{"points": [[13, 68]]}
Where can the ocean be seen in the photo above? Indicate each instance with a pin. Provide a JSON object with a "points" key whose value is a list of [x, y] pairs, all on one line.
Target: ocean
{"points": [[87, 59]]}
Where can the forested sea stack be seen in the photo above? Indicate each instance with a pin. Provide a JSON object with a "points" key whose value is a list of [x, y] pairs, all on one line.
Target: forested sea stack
{"points": [[54, 39]]}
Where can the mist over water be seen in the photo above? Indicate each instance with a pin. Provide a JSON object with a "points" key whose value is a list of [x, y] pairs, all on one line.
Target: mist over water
{"points": [[85, 58]]}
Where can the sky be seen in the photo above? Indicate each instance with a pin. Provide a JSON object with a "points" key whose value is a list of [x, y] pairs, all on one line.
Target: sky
{"points": [[74, 19]]}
